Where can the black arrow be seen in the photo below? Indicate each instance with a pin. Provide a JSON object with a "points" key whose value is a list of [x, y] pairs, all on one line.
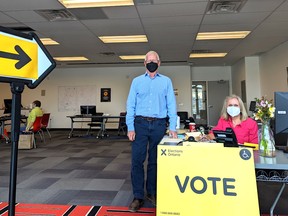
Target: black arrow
{"points": [[21, 56]]}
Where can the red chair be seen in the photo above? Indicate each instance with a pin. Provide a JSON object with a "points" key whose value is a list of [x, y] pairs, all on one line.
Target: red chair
{"points": [[36, 128], [45, 122]]}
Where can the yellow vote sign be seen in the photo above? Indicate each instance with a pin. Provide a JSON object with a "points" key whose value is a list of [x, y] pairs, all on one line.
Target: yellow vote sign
{"points": [[202, 180], [18, 57], [23, 58]]}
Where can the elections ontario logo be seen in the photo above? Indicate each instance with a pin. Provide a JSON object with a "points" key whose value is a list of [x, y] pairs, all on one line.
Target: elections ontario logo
{"points": [[171, 152]]}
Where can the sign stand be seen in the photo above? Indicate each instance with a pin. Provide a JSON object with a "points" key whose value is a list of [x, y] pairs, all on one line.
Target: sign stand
{"points": [[16, 89], [23, 60]]}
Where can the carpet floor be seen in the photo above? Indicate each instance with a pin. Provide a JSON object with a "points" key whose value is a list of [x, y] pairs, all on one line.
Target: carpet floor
{"points": [[77, 171], [85, 171], [72, 210]]}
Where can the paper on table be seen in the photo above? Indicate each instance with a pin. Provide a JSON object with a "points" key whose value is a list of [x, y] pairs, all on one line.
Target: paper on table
{"points": [[170, 140], [194, 134]]}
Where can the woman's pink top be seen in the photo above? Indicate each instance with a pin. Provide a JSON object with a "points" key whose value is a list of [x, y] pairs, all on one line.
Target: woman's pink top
{"points": [[246, 131]]}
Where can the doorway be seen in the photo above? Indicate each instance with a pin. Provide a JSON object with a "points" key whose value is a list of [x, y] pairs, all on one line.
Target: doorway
{"points": [[207, 100], [217, 92], [199, 103]]}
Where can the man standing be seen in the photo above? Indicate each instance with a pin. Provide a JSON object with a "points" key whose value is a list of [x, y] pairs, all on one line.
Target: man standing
{"points": [[150, 101]]}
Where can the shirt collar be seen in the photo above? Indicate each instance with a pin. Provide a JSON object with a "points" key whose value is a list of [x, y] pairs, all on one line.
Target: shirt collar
{"points": [[147, 74], [231, 122]]}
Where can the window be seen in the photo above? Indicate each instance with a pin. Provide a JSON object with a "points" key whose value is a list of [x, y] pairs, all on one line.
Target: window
{"points": [[199, 105]]}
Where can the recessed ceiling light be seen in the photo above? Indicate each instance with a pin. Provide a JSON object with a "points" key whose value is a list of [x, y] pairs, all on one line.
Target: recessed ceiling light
{"points": [[75, 58], [95, 3], [48, 41], [132, 57], [222, 35], [207, 55], [124, 39]]}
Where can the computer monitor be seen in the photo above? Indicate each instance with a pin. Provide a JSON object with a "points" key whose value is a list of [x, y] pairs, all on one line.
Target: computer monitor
{"points": [[227, 137], [8, 106], [88, 110], [281, 118]]}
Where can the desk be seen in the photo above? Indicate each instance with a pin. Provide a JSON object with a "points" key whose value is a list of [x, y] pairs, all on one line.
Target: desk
{"points": [[183, 173], [4, 119], [272, 170], [266, 169], [84, 118]]}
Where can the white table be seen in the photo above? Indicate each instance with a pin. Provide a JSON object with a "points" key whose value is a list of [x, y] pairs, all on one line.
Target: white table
{"points": [[86, 118]]}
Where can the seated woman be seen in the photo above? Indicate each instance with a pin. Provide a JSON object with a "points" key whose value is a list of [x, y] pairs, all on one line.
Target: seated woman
{"points": [[234, 115]]}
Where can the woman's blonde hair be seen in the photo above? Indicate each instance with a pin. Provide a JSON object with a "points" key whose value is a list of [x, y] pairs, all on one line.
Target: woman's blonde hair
{"points": [[243, 112]]}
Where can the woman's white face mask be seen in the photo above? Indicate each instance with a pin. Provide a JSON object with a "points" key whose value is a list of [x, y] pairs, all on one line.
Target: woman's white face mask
{"points": [[233, 111]]}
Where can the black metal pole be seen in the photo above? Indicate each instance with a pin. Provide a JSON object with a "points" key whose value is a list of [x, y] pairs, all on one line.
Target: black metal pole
{"points": [[16, 89]]}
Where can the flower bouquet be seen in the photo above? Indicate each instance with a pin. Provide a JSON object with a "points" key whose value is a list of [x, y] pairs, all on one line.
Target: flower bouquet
{"points": [[265, 112]]}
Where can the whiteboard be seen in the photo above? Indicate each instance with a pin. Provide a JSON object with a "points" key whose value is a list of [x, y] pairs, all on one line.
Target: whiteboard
{"points": [[71, 97]]}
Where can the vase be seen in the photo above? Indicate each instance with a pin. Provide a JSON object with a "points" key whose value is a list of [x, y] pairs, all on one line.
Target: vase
{"points": [[266, 140]]}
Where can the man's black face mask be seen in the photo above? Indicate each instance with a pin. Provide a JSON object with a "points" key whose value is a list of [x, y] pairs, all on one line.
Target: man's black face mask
{"points": [[152, 66]]}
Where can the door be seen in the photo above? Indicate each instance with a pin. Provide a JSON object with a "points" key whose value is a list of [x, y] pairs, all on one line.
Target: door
{"points": [[199, 104], [216, 93]]}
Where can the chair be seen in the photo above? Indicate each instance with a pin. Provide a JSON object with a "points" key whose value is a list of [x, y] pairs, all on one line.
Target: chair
{"points": [[97, 122], [122, 124], [37, 129], [45, 122]]}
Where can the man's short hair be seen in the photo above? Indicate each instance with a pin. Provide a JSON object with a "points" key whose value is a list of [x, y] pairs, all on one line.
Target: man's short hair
{"points": [[152, 52], [37, 103]]}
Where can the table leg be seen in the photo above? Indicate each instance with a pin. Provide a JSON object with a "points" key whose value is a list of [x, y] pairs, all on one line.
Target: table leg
{"points": [[102, 131], [104, 127], [6, 138], [71, 131], [276, 200]]}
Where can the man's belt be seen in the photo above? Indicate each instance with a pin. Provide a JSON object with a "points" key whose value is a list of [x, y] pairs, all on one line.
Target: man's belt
{"points": [[149, 118]]}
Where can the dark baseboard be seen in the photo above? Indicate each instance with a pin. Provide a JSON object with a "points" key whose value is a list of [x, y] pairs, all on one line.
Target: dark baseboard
{"points": [[78, 129]]}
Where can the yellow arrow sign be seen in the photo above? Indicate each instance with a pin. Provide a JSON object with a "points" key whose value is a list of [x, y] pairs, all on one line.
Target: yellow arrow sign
{"points": [[18, 57]]}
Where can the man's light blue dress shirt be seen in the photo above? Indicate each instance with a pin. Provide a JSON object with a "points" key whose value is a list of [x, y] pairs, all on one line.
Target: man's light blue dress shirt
{"points": [[151, 97]]}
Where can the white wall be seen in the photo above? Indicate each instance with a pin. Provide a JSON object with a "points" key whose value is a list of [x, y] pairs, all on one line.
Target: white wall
{"points": [[118, 79], [247, 69], [264, 75], [237, 74], [253, 85], [211, 73], [181, 78], [273, 72]]}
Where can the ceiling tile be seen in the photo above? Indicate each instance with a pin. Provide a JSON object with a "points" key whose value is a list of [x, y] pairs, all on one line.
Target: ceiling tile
{"points": [[26, 16], [172, 10], [170, 25]]}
